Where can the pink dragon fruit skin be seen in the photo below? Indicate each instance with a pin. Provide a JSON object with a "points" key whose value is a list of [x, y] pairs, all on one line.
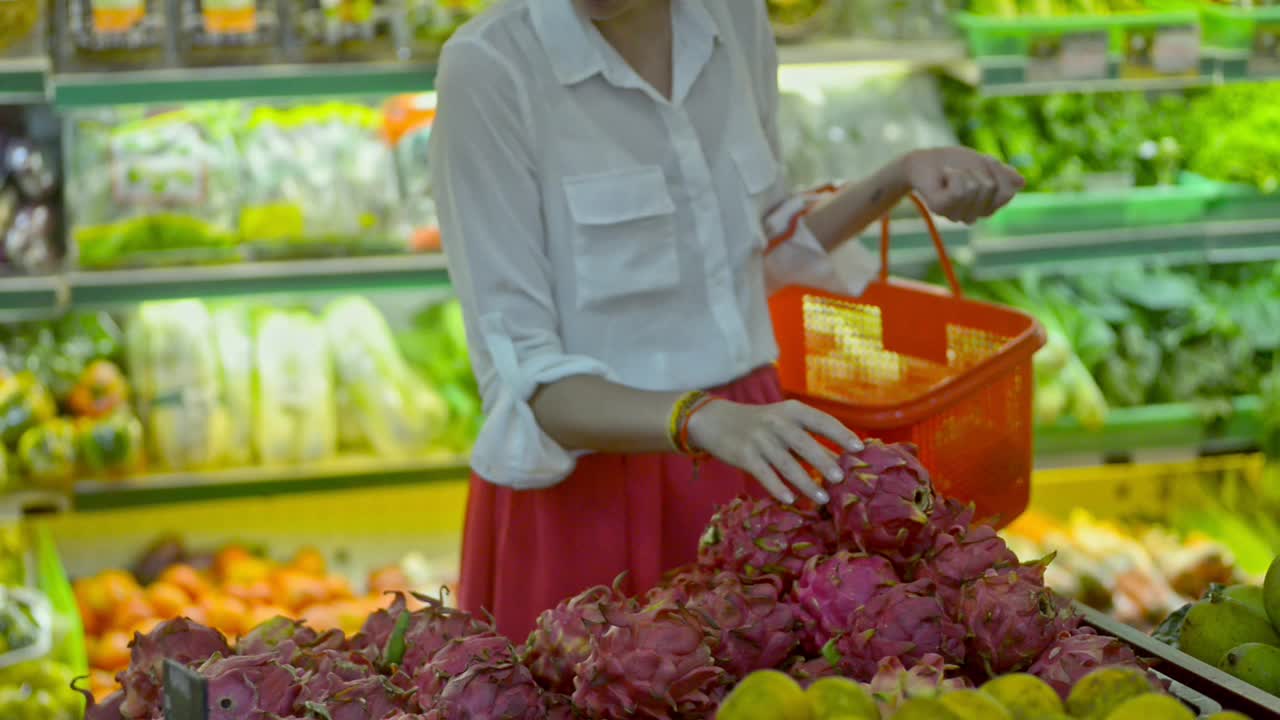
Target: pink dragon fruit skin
{"points": [[951, 516], [180, 640], [832, 588], [497, 691], [761, 537], [1076, 653], [893, 684], [1012, 618], [284, 637], [883, 505], [428, 630], [960, 557], [752, 625], [108, 709], [455, 658], [562, 636], [904, 621], [651, 663], [369, 697], [241, 687], [807, 670]]}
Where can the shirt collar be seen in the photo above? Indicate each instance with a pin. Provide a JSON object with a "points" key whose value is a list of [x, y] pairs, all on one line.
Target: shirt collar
{"points": [[573, 45]]}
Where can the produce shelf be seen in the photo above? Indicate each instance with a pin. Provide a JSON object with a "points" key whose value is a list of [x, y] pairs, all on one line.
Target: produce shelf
{"points": [[1154, 427], [179, 85], [341, 474], [915, 54], [33, 297], [1213, 242], [23, 80]]}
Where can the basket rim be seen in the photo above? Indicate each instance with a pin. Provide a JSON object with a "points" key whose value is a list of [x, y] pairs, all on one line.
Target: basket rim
{"points": [[950, 391]]}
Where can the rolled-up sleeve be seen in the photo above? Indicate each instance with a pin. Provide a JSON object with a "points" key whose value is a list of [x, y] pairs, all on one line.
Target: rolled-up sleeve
{"points": [[795, 257], [488, 201]]}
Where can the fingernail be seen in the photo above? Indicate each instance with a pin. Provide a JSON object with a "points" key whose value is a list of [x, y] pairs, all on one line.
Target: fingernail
{"points": [[821, 497], [856, 445], [789, 499], [834, 474]]}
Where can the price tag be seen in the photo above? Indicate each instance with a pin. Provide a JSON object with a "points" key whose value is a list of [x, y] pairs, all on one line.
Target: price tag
{"points": [[1084, 56], [1071, 56], [1176, 51], [1265, 60], [185, 693]]}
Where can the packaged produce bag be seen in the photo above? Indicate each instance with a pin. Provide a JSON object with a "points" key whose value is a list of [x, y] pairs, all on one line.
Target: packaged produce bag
{"points": [[233, 343], [396, 412], [320, 175], [295, 418], [175, 371], [155, 190]]}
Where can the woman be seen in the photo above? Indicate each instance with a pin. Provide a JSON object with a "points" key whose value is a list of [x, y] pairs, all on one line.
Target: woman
{"points": [[608, 181]]}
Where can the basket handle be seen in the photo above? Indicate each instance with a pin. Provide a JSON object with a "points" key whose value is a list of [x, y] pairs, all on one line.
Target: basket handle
{"points": [[943, 258]]}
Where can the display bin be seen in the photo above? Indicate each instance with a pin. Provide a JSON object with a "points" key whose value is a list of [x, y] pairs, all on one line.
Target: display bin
{"points": [[989, 36], [1226, 27], [1039, 213]]}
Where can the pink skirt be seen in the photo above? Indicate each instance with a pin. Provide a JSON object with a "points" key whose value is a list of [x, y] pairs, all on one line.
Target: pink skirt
{"points": [[525, 551]]}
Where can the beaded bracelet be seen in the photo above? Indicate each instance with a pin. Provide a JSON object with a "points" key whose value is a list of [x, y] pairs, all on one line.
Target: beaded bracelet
{"points": [[677, 420]]}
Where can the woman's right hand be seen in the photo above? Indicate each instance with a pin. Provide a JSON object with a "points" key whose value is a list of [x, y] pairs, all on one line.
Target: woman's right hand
{"points": [[766, 440]]}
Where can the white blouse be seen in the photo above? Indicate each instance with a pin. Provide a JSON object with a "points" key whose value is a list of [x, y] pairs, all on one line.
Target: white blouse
{"points": [[594, 227]]}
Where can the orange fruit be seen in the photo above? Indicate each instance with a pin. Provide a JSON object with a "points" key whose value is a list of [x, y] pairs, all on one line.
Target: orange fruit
{"points": [[187, 578], [145, 626], [228, 556], [338, 588], [351, 616], [258, 614], [94, 604], [131, 612], [111, 651], [167, 599], [102, 683], [297, 590], [196, 614], [310, 561], [388, 579], [322, 617], [256, 594], [226, 613], [248, 570], [119, 586]]}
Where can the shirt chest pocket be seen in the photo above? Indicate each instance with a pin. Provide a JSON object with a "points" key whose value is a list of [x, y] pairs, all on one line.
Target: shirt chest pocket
{"points": [[623, 228]]}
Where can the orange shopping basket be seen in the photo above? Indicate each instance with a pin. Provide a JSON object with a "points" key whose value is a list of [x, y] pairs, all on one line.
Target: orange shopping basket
{"points": [[910, 362]]}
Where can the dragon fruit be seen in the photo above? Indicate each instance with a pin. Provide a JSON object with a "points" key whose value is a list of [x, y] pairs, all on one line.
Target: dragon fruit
{"points": [[559, 707], [753, 628], [108, 709], [681, 584], [960, 556], [831, 588], [651, 663], [249, 686], [883, 505], [330, 697], [806, 670], [562, 636], [385, 634], [1012, 618], [1079, 652], [455, 658], [495, 691], [904, 621], [180, 640], [893, 684], [284, 637], [761, 537], [951, 516]]}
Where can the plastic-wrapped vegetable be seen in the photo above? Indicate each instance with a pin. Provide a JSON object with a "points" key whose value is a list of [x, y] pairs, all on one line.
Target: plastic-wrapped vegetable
{"points": [[24, 403], [397, 412], [295, 418], [175, 374], [233, 341], [111, 445], [48, 453]]}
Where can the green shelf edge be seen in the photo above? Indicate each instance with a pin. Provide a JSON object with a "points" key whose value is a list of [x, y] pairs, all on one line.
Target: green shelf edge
{"points": [[1154, 427], [97, 89], [105, 496]]}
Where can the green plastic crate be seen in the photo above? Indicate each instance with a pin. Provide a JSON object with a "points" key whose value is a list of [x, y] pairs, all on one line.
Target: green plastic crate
{"points": [[1041, 213], [1231, 28], [1235, 201], [989, 36]]}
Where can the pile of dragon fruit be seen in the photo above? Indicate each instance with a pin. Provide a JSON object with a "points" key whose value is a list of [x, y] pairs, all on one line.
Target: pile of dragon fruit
{"points": [[886, 584]]}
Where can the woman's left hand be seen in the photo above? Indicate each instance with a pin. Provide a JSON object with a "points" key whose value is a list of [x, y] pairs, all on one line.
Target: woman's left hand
{"points": [[960, 184]]}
